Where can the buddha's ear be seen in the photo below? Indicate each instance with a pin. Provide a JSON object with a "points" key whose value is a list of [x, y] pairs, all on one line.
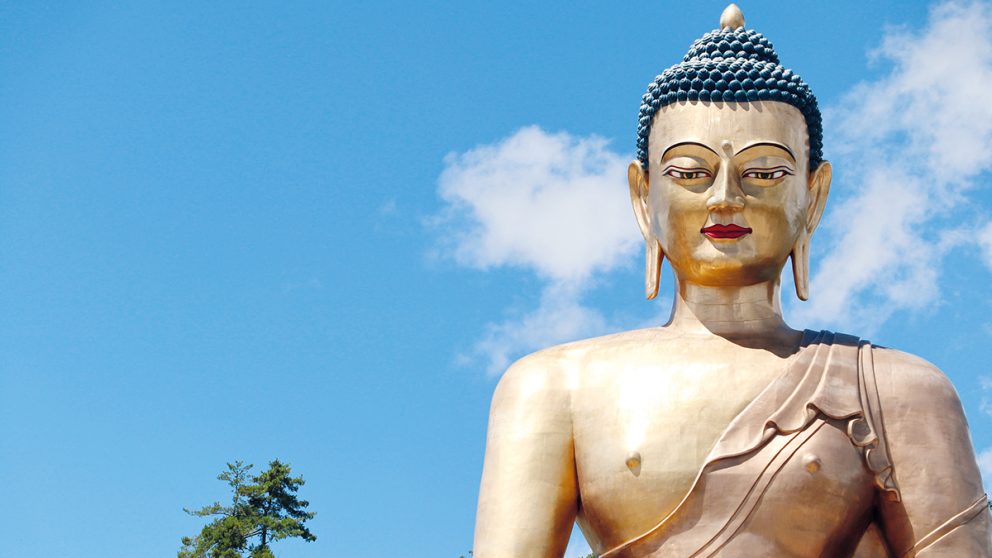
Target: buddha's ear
{"points": [[640, 187], [819, 187]]}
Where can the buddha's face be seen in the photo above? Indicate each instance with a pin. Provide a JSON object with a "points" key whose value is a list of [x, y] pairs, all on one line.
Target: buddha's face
{"points": [[728, 189]]}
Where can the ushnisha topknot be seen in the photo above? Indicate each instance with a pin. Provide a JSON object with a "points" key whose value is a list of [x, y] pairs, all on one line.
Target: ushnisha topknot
{"points": [[731, 64]]}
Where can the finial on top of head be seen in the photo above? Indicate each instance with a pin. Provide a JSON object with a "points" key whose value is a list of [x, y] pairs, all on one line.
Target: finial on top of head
{"points": [[731, 17]]}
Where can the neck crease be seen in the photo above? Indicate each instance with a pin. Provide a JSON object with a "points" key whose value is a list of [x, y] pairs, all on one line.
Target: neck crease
{"points": [[735, 313]]}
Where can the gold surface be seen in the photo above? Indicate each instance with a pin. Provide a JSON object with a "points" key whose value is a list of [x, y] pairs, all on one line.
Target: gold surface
{"points": [[731, 17], [619, 432]]}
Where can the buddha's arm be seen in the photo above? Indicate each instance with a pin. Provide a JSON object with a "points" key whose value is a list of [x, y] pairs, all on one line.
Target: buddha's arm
{"points": [[942, 512], [527, 502]]}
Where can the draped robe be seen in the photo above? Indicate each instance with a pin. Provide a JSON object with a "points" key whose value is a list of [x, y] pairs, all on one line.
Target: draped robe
{"points": [[796, 473]]}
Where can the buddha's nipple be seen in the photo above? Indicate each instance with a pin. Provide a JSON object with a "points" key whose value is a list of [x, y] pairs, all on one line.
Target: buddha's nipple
{"points": [[633, 462]]}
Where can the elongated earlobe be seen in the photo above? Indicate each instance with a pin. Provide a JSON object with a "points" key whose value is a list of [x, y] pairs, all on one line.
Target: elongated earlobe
{"points": [[652, 276], [800, 264], [637, 179], [819, 187]]}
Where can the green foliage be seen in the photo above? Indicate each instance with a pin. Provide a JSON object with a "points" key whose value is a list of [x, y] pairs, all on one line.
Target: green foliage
{"points": [[264, 509]]}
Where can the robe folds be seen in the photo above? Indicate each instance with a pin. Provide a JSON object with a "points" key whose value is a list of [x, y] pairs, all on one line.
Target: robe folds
{"points": [[796, 473]]}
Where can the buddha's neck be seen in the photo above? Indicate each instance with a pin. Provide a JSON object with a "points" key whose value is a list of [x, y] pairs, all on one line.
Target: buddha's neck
{"points": [[753, 311]]}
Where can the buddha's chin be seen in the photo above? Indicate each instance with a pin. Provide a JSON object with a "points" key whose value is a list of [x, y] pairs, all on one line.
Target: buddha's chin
{"points": [[728, 271]]}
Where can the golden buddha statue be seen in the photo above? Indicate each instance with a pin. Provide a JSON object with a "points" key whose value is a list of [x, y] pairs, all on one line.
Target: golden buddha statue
{"points": [[726, 432]]}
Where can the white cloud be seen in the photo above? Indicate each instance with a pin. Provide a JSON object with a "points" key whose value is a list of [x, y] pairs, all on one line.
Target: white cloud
{"points": [[560, 317], [908, 149], [985, 243], [985, 464], [553, 204], [985, 404]]}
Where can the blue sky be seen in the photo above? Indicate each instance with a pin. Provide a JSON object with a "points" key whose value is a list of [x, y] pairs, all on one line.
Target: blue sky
{"points": [[257, 231]]}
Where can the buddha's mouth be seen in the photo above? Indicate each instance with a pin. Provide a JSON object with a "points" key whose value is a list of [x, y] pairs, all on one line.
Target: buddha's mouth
{"points": [[725, 231]]}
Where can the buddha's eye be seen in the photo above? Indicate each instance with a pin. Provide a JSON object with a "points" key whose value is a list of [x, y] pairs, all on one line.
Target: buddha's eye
{"points": [[766, 174], [680, 173]]}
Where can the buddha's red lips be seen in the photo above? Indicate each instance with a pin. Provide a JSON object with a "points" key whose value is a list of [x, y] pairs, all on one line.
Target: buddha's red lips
{"points": [[725, 231]]}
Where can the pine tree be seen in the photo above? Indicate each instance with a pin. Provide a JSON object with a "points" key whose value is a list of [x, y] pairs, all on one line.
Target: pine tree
{"points": [[263, 509], [280, 514]]}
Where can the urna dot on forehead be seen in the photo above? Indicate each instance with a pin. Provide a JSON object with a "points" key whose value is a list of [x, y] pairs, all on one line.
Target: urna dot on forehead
{"points": [[730, 65]]}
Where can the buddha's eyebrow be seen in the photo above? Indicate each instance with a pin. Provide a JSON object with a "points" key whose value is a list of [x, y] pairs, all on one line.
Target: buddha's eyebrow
{"points": [[770, 144], [665, 154]]}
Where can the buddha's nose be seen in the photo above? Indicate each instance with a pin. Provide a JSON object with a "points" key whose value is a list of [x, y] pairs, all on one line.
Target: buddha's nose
{"points": [[726, 193]]}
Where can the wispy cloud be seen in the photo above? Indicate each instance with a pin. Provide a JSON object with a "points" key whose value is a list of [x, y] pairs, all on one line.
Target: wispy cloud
{"points": [[559, 317], [908, 147], [548, 203], [577, 546], [984, 237], [986, 403], [985, 465], [312, 283], [985, 456]]}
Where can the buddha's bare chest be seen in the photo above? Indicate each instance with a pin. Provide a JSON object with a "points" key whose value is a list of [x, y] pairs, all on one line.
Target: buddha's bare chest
{"points": [[638, 460], [644, 426]]}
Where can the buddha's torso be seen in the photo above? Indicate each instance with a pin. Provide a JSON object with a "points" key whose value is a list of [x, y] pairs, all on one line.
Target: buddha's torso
{"points": [[664, 399]]}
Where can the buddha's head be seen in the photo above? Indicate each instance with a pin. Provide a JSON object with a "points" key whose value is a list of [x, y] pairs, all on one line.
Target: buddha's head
{"points": [[729, 180]]}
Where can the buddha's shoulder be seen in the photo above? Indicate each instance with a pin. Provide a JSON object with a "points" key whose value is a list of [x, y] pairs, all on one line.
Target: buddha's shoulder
{"points": [[909, 378], [569, 354], [558, 365]]}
